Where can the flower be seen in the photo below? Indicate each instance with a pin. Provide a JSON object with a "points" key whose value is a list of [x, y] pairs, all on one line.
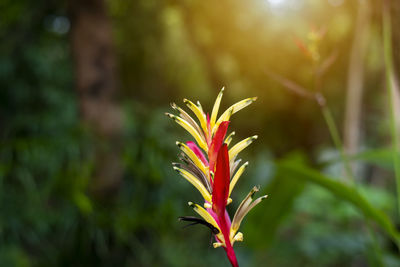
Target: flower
{"points": [[213, 170]]}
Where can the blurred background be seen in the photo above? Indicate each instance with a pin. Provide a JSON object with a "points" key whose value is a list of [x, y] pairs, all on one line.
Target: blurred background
{"points": [[86, 150]]}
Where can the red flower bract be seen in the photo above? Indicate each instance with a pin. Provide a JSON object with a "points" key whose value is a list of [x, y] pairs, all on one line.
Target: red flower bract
{"points": [[221, 182], [216, 144]]}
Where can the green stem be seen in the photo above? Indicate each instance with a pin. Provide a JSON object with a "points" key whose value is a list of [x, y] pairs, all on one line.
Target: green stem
{"points": [[333, 130], [336, 140], [338, 144], [375, 245], [387, 50]]}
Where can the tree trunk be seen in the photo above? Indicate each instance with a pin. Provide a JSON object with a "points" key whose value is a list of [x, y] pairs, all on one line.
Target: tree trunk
{"points": [[96, 85]]}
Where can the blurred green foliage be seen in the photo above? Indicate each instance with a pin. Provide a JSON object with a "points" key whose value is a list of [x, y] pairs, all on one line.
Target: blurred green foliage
{"points": [[168, 50]]}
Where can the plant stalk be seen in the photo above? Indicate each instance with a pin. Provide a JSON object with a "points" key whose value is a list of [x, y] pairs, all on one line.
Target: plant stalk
{"points": [[388, 59], [336, 140]]}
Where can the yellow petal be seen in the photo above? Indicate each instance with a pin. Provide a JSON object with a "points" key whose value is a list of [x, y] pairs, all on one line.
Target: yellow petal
{"points": [[229, 138], [207, 205], [217, 244], [204, 214], [215, 109], [244, 207], [183, 114], [200, 141], [199, 114], [238, 237], [232, 110], [207, 217], [193, 157], [195, 182], [200, 107], [236, 149], [237, 176]]}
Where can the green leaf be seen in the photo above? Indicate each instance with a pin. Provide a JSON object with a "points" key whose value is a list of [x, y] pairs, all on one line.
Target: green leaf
{"points": [[342, 191], [381, 157]]}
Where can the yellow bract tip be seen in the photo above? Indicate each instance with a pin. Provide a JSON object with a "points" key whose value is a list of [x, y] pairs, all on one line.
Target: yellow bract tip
{"points": [[238, 237], [237, 175], [207, 205], [236, 149], [217, 244]]}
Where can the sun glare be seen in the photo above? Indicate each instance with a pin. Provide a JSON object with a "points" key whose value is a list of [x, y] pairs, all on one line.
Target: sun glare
{"points": [[276, 2], [282, 5]]}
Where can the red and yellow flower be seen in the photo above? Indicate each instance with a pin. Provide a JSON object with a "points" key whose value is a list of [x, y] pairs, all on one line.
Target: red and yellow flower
{"points": [[212, 168]]}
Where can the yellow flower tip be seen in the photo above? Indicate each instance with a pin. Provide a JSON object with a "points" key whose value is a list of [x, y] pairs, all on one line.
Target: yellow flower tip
{"points": [[207, 205], [246, 164], [217, 244], [178, 143], [172, 116], [251, 139], [187, 102], [253, 99], [254, 190], [173, 105], [229, 201], [229, 138], [238, 237], [190, 204], [264, 197], [222, 89]]}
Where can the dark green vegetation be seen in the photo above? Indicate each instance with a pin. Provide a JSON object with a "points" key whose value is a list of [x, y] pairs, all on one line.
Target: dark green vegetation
{"points": [[318, 213]]}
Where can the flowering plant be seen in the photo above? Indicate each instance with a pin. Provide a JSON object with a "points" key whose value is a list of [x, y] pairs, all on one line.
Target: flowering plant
{"points": [[213, 170]]}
